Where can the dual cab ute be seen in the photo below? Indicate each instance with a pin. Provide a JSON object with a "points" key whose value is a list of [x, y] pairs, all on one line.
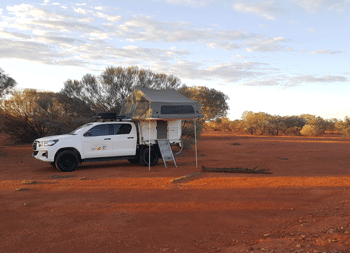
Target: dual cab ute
{"points": [[101, 141]]}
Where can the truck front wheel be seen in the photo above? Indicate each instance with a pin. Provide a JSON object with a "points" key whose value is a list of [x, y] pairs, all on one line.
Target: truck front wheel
{"points": [[144, 159], [67, 161]]}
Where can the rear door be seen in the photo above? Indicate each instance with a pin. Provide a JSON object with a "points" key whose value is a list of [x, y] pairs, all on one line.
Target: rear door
{"points": [[97, 141], [162, 130], [124, 139]]}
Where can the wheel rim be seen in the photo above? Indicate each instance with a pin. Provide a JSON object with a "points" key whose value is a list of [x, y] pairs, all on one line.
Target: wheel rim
{"points": [[67, 162]]}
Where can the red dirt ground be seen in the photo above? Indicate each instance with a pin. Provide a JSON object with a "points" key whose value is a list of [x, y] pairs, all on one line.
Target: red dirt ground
{"points": [[303, 206]]}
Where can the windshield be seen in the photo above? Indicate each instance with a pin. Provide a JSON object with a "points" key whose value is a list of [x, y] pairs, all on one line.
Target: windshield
{"points": [[79, 129]]}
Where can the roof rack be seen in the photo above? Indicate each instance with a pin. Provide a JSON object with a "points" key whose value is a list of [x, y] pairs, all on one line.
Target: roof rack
{"points": [[109, 117]]}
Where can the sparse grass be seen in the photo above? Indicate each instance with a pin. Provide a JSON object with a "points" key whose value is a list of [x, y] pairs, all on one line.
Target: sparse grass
{"points": [[236, 170], [61, 176], [185, 177], [21, 189], [29, 182]]}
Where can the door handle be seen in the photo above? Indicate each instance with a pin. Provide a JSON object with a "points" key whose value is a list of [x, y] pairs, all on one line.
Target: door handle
{"points": [[107, 139], [130, 137]]}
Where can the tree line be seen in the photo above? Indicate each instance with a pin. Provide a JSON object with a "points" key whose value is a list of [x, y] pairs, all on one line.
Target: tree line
{"points": [[29, 114], [263, 123]]}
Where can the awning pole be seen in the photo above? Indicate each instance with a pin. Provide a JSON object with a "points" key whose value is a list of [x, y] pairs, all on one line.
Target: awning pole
{"points": [[195, 139], [149, 145]]}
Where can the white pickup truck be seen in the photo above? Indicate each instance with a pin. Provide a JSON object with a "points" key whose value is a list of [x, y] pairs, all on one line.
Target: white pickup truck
{"points": [[101, 141]]}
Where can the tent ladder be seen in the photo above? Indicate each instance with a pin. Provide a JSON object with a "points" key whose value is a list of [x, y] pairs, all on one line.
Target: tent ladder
{"points": [[166, 151]]}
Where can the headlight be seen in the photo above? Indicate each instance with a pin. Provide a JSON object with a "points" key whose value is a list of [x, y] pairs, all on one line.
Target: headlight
{"points": [[47, 143]]}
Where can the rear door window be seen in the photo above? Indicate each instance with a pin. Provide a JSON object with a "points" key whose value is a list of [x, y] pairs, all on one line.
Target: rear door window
{"points": [[122, 129]]}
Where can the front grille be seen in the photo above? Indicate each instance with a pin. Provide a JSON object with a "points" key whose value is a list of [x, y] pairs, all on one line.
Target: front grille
{"points": [[34, 145]]}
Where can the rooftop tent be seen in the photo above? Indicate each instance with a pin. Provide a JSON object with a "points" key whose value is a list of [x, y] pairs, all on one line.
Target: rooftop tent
{"points": [[160, 104]]}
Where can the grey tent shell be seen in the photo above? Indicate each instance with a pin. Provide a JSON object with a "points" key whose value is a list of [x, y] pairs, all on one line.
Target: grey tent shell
{"points": [[160, 104]]}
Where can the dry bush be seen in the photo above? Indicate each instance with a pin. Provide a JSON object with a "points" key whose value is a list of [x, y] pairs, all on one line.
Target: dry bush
{"points": [[292, 131], [311, 130], [30, 114], [343, 127]]}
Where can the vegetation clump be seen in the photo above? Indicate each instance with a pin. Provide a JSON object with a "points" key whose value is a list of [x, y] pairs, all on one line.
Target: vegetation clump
{"points": [[29, 182], [29, 114], [21, 189], [263, 123]]}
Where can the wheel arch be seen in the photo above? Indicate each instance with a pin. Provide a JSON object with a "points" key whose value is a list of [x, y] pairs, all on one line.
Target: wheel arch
{"points": [[68, 148]]}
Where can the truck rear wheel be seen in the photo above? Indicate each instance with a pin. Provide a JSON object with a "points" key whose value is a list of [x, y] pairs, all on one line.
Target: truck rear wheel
{"points": [[144, 159], [67, 161], [134, 160]]}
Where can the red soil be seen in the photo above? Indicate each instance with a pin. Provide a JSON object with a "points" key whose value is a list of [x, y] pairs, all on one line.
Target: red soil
{"points": [[303, 206]]}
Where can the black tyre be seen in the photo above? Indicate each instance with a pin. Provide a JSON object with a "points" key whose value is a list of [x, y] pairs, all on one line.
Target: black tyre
{"points": [[144, 159], [67, 161], [134, 161]]}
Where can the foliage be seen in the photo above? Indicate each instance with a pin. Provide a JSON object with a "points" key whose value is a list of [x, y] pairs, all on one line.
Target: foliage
{"points": [[188, 128], [293, 125], [222, 124], [188, 132], [315, 126], [309, 130], [264, 123], [30, 114], [256, 122], [276, 124], [213, 103], [343, 126], [107, 92], [6, 83], [330, 124]]}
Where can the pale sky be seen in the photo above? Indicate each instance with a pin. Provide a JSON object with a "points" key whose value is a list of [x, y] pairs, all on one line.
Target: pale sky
{"points": [[280, 57]]}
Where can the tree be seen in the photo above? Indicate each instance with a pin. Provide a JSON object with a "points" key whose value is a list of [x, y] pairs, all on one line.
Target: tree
{"points": [[315, 126], [343, 127], [213, 103], [330, 124], [292, 125], [248, 122], [236, 125], [107, 92], [30, 114], [276, 124], [6, 83], [256, 122]]}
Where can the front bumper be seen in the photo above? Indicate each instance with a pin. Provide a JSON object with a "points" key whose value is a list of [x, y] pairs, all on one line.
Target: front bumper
{"points": [[41, 153]]}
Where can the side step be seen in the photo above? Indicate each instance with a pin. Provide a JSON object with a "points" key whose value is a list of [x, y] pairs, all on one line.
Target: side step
{"points": [[166, 152]]}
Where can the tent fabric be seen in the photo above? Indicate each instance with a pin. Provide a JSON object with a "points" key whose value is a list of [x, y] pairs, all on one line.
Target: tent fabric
{"points": [[160, 104]]}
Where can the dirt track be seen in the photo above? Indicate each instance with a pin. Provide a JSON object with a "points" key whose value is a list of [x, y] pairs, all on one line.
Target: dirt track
{"points": [[303, 206]]}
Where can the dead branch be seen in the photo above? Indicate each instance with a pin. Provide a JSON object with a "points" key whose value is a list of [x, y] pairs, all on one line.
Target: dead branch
{"points": [[236, 170]]}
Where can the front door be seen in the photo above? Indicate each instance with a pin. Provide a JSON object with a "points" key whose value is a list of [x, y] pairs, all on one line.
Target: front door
{"points": [[97, 141], [162, 129]]}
